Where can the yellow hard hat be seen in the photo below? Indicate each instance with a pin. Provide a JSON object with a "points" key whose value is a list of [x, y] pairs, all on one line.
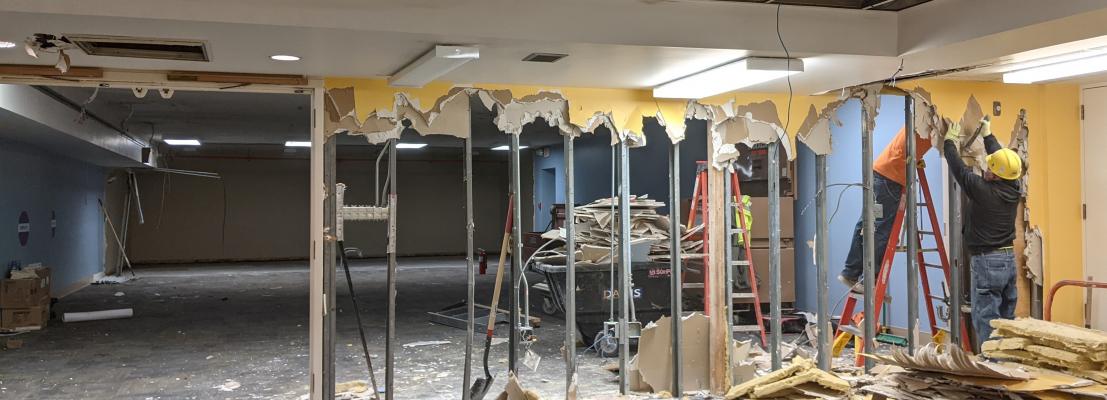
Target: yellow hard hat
{"points": [[1005, 164]]}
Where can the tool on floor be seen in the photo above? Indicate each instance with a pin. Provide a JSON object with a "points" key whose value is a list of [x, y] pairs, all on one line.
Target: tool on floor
{"points": [[924, 278], [699, 194], [357, 314], [481, 386], [107, 217], [356, 213]]}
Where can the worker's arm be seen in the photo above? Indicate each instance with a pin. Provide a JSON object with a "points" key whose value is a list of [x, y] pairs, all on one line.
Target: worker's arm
{"points": [[972, 183], [991, 145]]}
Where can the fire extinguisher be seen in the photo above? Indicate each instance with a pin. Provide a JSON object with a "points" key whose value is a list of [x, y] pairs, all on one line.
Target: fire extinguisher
{"points": [[483, 261]]}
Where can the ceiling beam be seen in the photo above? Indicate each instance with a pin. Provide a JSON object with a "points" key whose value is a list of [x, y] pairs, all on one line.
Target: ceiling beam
{"points": [[236, 78], [20, 70]]}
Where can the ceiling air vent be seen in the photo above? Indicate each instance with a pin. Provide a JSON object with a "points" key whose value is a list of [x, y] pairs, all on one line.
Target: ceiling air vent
{"points": [[544, 57], [136, 47]]}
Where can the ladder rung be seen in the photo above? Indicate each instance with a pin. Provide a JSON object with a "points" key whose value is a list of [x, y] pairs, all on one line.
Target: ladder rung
{"points": [[928, 250], [921, 204], [926, 232], [746, 328], [861, 296], [740, 263], [693, 286], [929, 265], [937, 297], [742, 295]]}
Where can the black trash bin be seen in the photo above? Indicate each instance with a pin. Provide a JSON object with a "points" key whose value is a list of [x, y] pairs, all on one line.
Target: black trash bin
{"points": [[651, 293]]}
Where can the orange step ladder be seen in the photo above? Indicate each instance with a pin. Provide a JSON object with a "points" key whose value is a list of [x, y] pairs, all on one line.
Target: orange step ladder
{"points": [[849, 325], [699, 196]]}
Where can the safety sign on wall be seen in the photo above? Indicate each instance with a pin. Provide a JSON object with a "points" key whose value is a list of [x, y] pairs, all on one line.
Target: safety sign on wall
{"points": [[24, 228]]}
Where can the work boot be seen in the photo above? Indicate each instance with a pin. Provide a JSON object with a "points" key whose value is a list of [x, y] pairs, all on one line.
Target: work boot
{"points": [[854, 285]]}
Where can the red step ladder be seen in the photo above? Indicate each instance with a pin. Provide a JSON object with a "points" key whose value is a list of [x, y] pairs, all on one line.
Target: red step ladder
{"points": [[881, 287], [699, 195]]}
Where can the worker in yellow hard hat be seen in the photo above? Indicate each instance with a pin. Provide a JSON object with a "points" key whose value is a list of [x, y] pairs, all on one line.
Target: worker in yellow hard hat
{"points": [[989, 228]]}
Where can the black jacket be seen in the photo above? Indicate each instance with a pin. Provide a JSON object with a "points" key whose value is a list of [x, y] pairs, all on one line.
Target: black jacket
{"points": [[991, 217]]}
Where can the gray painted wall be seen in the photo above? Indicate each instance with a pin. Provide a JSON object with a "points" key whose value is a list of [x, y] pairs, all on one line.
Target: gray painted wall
{"points": [[45, 185], [259, 210]]}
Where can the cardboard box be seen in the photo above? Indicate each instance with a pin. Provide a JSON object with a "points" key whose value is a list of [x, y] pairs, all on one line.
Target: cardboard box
{"points": [[761, 218], [27, 317], [22, 293], [787, 274]]}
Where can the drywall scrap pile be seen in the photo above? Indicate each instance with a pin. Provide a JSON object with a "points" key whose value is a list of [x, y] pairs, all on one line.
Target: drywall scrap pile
{"points": [[515, 391], [596, 221], [800, 380], [938, 371], [651, 370], [1078, 351]]}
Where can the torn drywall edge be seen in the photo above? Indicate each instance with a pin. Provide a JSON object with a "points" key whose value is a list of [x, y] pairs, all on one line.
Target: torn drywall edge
{"points": [[972, 154], [512, 116], [1035, 254]]}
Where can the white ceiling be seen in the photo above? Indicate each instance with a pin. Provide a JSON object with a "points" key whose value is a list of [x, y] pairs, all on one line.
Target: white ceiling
{"points": [[611, 43]]}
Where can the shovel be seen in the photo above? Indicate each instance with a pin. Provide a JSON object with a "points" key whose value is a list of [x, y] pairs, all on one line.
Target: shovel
{"points": [[480, 387]]}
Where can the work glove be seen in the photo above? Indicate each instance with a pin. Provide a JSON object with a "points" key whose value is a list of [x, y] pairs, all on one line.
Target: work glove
{"points": [[954, 132], [985, 127]]}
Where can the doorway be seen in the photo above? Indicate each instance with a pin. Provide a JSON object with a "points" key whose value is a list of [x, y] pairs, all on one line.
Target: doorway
{"points": [[1094, 123]]}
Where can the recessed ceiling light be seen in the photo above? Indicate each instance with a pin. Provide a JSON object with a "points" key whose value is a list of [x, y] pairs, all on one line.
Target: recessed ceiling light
{"points": [[410, 145], [293, 143], [1064, 69], [506, 148], [182, 142], [284, 57], [6, 45]]}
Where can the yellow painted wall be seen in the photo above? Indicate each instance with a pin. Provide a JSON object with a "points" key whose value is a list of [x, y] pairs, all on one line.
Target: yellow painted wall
{"points": [[1052, 112], [1055, 168]]}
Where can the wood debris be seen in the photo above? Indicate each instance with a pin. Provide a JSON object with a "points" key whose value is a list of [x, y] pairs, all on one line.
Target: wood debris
{"points": [[1079, 351], [949, 359], [801, 379]]}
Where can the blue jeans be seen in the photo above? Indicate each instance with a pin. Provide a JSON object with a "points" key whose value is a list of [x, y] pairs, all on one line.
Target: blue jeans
{"points": [[993, 290], [887, 193]]}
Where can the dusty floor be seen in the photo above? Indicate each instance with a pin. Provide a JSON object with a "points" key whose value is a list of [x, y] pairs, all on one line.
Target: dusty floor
{"points": [[197, 326]]}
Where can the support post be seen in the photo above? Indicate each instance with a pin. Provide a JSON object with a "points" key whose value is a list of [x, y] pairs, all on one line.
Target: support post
{"points": [[317, 238], [822, 239], [774, 255], [675, 282], [868, 231], [330, 218], [570, 274], [390, 336], [516, 255], [719, 339], [911, 216], [728, 252], [625, 266], [956, 255], [470, 299]]}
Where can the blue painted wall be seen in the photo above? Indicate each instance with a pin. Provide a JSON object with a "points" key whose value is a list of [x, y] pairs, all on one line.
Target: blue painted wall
{"points": [[42, 183], [844, 166], [649, 165]]}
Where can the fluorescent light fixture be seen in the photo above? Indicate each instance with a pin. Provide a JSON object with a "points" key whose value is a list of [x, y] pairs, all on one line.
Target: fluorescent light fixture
{"points": [[294, 143], [182, 142], [724, 78], [410, 145], [1058, 70], [284, 57], [506, 148], [433, 65], [6, 45]]}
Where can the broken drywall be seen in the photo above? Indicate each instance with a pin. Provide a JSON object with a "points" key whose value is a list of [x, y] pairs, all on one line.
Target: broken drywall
{"points": [[728, 125], [513, 115], [973, 153], [815, 129], [800, 379], [936, 357]]}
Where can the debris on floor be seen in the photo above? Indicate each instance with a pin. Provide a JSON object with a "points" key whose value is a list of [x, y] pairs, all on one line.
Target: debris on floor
{"points": [[937, 371], [98, 315], [801, 379], [13, 344], [110, 280], [425, 343], [1078, 351], [515, 391], [228, 386]]}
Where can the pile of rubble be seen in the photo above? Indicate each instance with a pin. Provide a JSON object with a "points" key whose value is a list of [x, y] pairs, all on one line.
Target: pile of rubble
{"points": [[1078, 351], [597, 225], [800, 380]]}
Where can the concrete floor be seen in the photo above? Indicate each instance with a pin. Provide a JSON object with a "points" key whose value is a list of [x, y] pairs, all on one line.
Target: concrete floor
{"points": [[196, 326]]}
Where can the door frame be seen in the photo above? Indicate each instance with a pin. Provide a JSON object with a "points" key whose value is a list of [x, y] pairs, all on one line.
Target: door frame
{"points": [[1089, 317]]}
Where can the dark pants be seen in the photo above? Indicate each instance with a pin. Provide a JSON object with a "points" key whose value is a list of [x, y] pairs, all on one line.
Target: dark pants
{"points": [[993, 290], [887, 193]]}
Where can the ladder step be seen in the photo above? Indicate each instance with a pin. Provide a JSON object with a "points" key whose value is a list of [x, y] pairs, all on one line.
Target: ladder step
{"points": [[861, 296], [928, 250], [939, 266], [741, 295], [921, 204], [937, 297], [746, 328], [926, 233], [740, 263], [693, 286]]}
